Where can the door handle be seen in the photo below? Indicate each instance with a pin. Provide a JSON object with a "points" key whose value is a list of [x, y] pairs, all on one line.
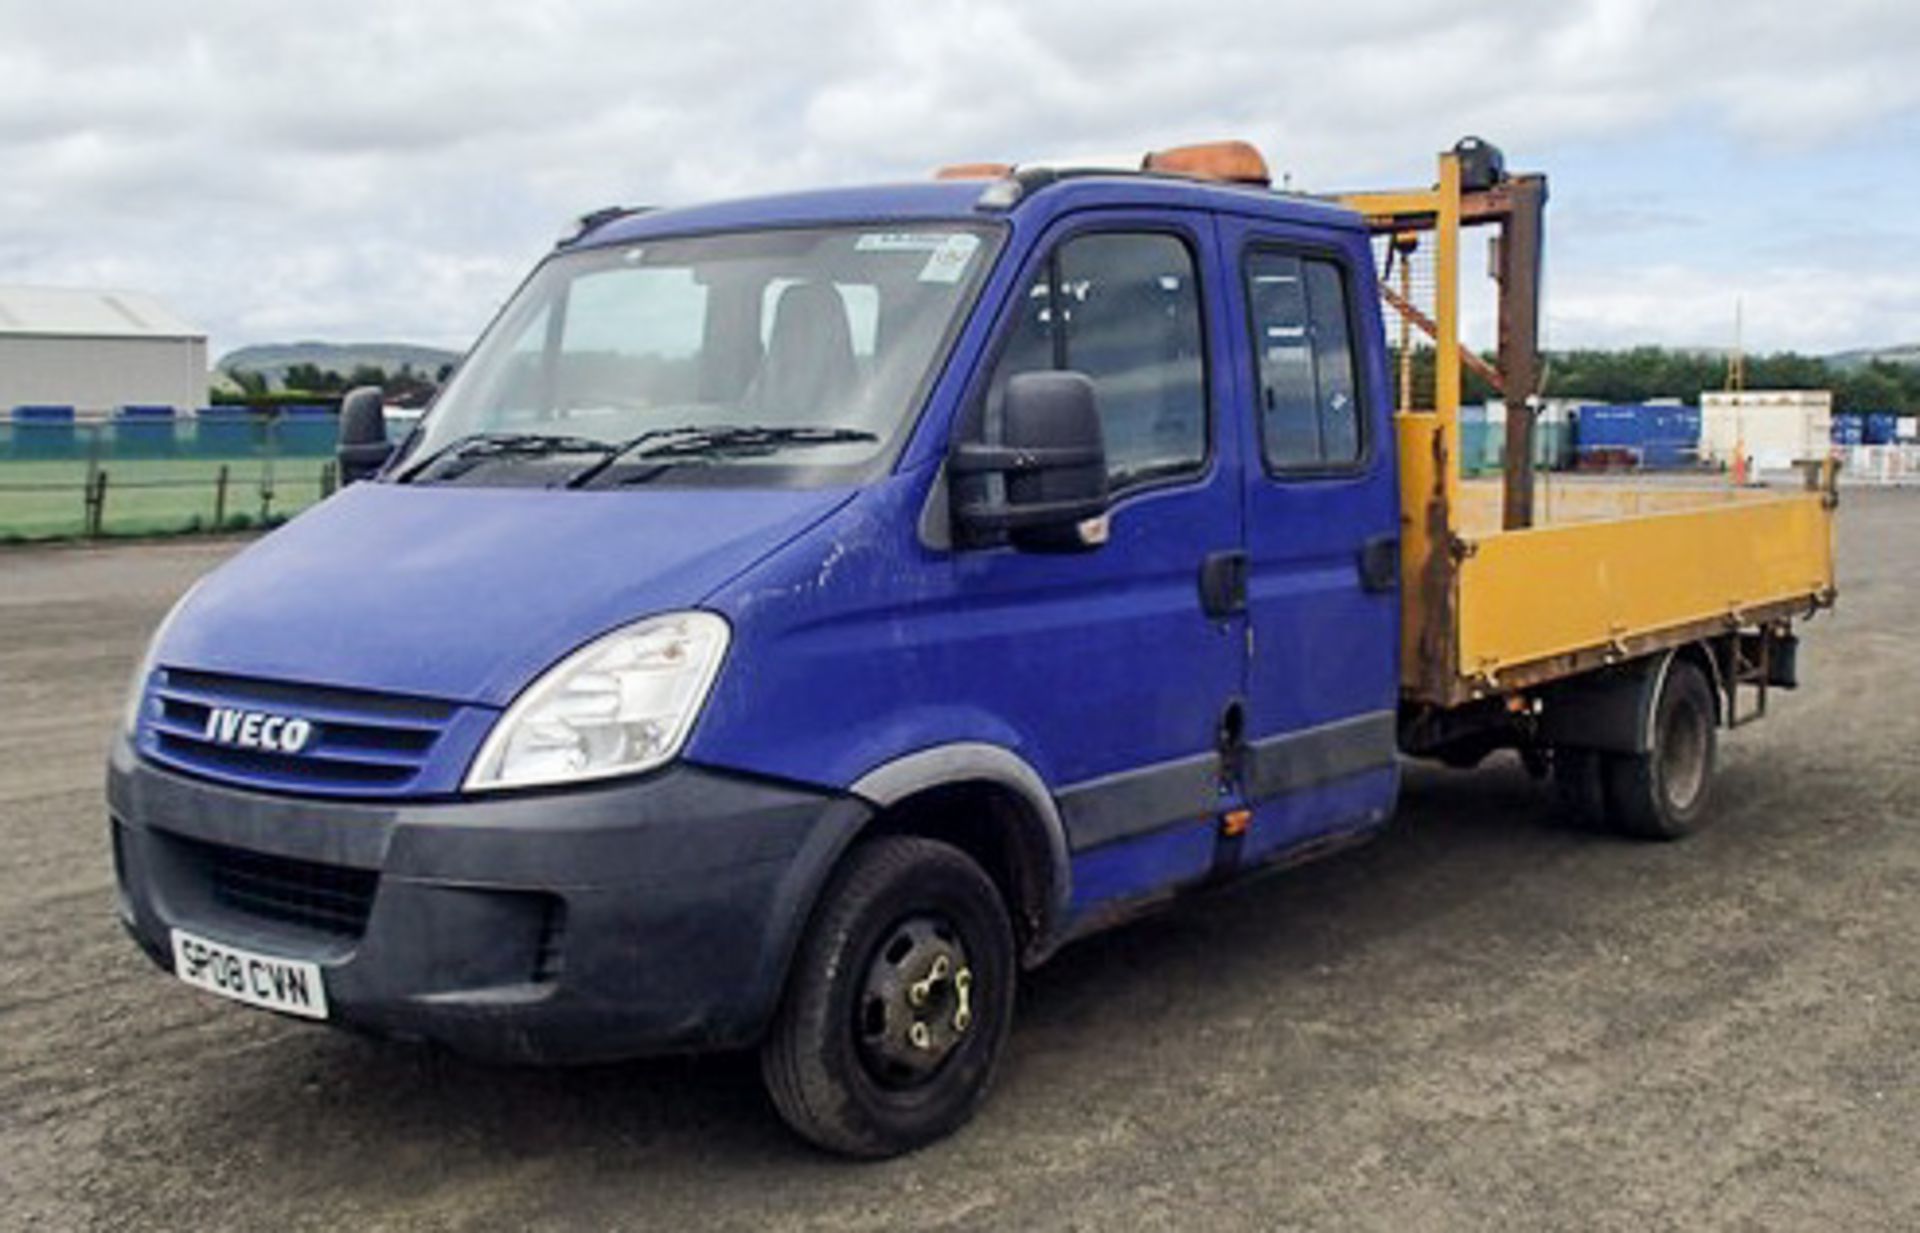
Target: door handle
{"points": [[1380, 563], [1223, 583]]}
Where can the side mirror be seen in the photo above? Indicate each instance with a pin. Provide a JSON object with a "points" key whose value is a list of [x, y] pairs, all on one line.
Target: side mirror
{"points": [[1052, 463], [363, 447]]}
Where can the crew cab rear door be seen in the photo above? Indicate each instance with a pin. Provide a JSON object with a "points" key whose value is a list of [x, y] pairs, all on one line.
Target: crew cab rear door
{"points": [[1321, 530]]}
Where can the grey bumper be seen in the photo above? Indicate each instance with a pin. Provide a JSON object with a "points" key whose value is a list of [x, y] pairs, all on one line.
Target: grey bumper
{"points": [[644, 916]]}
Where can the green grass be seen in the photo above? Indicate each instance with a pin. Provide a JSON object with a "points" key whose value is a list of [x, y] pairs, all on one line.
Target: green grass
{"points": [[157, 496]]}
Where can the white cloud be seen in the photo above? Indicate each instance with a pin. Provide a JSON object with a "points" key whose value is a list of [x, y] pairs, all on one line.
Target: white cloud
{"points": [[1804, 308], [371, 170]]}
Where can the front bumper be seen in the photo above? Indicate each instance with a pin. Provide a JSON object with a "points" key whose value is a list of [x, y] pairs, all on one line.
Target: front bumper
{"points": [[647, 916]]}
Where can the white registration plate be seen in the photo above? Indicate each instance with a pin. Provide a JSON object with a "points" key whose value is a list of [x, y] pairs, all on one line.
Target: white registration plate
{"points": [[288, 985]]}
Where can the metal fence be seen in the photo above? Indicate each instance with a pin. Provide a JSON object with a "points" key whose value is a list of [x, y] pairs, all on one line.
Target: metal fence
{"points": [[144, 471], [1896, 466]]}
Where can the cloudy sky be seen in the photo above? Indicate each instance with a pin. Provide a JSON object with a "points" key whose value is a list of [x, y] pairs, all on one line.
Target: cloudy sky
{"points": [[356, 171]]}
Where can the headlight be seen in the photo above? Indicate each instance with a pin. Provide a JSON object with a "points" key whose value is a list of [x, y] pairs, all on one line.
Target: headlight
{"points": [[621, 704]]}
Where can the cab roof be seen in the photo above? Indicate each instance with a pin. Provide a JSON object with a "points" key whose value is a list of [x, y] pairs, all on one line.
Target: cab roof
{"points": [[960, 200]]}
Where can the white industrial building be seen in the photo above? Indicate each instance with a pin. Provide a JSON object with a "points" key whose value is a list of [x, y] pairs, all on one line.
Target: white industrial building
{"points": [[97, 350], [1774, 428]]}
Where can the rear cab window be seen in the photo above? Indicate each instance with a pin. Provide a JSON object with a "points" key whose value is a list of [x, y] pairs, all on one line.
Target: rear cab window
{"points": [[1305, 367]]}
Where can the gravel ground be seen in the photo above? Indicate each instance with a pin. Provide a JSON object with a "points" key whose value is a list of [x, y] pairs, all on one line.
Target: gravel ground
{"points": [[1484, 1019]]}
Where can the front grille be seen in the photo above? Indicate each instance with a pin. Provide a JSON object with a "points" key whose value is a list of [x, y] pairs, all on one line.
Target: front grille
{"points": [[359, 743], [329, 899]]}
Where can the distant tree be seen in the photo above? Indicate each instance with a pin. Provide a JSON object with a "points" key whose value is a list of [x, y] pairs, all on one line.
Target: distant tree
{"points": [[1790, 371], [408, 387], [252, 384], [366, 374], [1879, 386], [310, 378], [1641, 374], [443, 374]]}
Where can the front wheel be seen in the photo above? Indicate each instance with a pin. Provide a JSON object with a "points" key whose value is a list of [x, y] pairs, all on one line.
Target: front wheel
{"points": [[1662, 793], [899, 1003]]}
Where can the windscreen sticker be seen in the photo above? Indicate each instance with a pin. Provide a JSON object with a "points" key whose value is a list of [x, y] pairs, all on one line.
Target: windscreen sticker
{"points": [[901, 241], [949, 261]]}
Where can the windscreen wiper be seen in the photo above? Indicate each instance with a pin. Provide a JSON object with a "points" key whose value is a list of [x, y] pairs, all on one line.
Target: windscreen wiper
{"points": [[476, 447], [696, 441]]}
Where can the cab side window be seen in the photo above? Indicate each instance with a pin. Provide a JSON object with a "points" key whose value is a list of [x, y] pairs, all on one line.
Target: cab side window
{"points": [[1303, 349], [1123, 308]]}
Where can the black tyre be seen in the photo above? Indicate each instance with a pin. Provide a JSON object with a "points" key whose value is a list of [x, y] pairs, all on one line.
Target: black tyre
{"points": [[1577, 782], [1662, 794], [899, 1003]]}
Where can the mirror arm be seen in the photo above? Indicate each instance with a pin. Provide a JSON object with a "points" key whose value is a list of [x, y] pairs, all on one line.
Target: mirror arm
{"points": [[367, 459], [996, 516]]}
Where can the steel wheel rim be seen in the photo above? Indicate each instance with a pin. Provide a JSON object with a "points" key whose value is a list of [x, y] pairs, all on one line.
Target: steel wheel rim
{"points": [[1684, 756], [916, 1003]]}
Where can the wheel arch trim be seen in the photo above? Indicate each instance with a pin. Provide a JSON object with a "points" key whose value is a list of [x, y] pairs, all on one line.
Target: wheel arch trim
{"points": [[1611, 711], [964, 762]]}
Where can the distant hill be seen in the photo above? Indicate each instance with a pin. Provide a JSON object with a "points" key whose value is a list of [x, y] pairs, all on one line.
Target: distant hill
{"points": [[273, 359], [1908, 353]]}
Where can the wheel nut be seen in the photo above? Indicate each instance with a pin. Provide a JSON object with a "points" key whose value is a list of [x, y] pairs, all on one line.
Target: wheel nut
{"points": [[963, 988]]}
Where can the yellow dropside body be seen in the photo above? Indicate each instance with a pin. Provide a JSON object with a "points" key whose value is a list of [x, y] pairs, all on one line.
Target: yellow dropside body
{"points": [[1613, 568]]}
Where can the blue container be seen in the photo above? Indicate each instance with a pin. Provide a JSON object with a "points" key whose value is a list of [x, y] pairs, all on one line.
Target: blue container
{"points": [[1672, 437], [1609, 438], [306, 430], [228, 432], [1602, 426], [43, 431], [1636, 435], [143, 431], [1668, 456], [1849, 430], [1881, 428]]}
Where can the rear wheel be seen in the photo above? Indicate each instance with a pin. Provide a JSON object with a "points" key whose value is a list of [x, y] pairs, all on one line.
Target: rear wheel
{"points": [[899, 1004], [1663, 793]]}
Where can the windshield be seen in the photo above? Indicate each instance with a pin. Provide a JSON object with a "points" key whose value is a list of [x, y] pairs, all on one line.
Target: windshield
{"points": [[820, 340]]}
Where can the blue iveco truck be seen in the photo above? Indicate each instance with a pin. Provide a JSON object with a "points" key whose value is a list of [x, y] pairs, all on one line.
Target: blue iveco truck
{"points": [[800, 615]]}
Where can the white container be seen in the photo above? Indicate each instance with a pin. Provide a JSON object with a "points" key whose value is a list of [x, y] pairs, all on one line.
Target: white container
{"points": [[1774, 428]]}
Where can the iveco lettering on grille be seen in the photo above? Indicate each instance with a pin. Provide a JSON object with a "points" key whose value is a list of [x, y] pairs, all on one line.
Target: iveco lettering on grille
{"points": [[257, 730]]}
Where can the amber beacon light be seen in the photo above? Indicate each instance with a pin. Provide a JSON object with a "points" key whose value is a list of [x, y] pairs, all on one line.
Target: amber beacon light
{"points": [[1234, 161]]}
